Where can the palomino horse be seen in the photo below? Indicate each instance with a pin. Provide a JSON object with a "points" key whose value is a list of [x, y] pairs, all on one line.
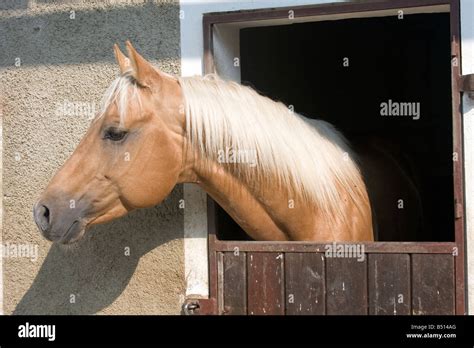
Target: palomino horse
{"points": [[279, 175]]}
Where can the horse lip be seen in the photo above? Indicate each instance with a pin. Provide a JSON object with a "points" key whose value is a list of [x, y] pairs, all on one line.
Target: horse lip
{"points": [[68, 236]]}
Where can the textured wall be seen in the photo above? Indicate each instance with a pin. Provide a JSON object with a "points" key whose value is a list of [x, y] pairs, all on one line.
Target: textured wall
{"points": [[70, 60]]}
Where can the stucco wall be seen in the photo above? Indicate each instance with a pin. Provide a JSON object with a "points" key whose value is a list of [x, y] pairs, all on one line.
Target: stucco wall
{"points": [[65, 60]]}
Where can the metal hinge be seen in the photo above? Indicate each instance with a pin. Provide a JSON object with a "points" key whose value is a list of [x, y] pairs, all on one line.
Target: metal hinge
{"points": [[467, 85]]}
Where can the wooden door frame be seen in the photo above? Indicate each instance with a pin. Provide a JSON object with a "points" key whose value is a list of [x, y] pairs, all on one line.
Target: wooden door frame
{"points": [[215, 245]]}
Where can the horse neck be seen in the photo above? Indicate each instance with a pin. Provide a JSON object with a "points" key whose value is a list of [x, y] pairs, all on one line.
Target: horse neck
{"points": [[263, 208], [236, 197]]}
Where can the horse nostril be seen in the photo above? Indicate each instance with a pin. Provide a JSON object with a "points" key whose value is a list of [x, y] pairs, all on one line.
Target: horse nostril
{"points": [[42, 217], [46, 213]]}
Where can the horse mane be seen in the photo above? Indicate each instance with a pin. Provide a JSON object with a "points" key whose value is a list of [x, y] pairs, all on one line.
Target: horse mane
{"points": [[309, 157]]}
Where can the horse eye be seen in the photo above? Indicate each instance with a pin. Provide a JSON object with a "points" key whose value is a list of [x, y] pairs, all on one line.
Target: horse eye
{"points": [[115, 134]]}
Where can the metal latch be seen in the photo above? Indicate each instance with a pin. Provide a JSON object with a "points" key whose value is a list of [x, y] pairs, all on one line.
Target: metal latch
{"points": [[201, 306], [190, 307]]}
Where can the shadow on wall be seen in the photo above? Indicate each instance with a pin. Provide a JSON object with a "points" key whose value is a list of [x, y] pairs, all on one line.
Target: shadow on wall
{"points": [[13, 5], [152, 26], [97, 269]]}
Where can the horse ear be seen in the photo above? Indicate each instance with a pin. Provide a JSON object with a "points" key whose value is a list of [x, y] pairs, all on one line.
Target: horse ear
{"points": [[143, 72], [122, 60]]}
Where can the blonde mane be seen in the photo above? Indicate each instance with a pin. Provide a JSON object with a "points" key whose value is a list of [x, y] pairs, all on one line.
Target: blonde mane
{"points": [[308, 157]]}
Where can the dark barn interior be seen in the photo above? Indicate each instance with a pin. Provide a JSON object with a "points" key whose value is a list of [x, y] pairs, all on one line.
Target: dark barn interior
{"points": [[405, 60]]}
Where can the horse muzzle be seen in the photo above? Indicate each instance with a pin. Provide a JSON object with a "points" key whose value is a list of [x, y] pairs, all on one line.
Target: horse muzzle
{"points": [[58, 224]]}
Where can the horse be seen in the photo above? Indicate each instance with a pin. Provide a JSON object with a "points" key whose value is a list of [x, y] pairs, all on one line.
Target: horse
{"points": [[279, 175]]}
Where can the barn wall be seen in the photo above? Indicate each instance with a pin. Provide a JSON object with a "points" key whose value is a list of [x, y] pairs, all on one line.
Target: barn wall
{"points": [[66, 60], [70, 60]]}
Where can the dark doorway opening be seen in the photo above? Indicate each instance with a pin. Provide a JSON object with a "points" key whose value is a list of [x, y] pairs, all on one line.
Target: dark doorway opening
{"points": [[342, 71]]}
